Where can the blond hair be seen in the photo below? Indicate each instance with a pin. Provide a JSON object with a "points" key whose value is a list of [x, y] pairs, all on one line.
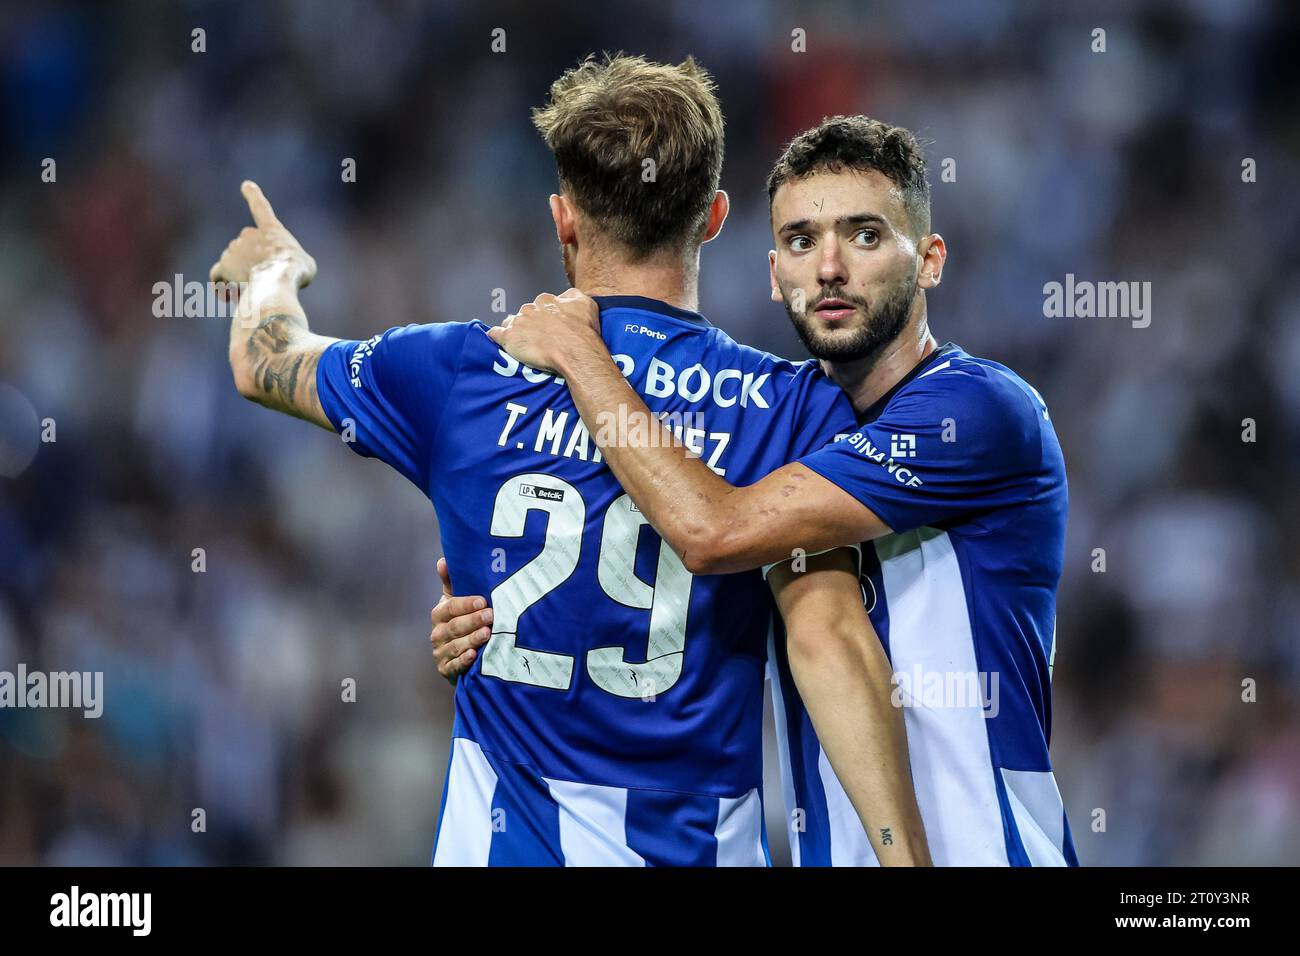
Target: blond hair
{"points": [[638, 146]]}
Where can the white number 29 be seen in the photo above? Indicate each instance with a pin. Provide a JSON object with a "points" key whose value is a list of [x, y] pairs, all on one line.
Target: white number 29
{"points": [[667, 599]]}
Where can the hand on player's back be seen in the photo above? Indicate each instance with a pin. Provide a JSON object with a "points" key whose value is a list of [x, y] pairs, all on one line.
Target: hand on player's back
{"points": [[551, 328], [267, 243], [461, 625]]}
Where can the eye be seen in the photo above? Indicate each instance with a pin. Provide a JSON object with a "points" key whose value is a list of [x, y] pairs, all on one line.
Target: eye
{"points": [[800, 244], [866, 236]]}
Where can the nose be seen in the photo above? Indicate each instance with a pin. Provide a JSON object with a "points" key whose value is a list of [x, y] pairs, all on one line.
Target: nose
{"points": [[830, 268]]}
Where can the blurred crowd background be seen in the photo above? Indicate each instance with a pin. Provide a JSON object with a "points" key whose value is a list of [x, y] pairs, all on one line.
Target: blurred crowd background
{"points": [[223, 686]]}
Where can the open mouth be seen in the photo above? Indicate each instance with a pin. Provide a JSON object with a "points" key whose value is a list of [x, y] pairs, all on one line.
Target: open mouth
{"points": [[834, 310]]}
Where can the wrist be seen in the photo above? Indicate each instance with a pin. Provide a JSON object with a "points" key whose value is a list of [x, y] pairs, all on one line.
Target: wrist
{"points": [[581, 353], [280, 270], [272, 289]]}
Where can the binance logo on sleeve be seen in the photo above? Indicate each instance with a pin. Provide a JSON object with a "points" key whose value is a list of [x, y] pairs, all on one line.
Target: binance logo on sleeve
{"points": [[902, 446]]}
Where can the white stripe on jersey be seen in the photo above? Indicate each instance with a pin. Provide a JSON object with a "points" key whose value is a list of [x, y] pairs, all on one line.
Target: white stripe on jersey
{"points": [[849, 843], [592, 820], [593, 829], [739, 830], [952, 768], [465, 830], [1040, 816], [929, 628]]}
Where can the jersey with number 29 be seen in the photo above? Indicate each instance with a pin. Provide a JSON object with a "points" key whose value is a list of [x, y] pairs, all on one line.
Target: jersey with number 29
{"points": [[615, 716]]}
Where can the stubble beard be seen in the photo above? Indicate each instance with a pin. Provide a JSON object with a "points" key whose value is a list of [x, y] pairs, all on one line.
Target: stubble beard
{"points": [[883, 325]]}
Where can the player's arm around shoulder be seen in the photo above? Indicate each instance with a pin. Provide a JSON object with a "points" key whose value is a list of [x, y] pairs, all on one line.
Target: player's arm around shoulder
{"points": [[715, 527], [273, 354], [845, 680]]}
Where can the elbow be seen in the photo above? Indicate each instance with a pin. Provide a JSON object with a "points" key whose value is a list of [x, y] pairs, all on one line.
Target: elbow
{"points": [[699, 561], [707, 548]]}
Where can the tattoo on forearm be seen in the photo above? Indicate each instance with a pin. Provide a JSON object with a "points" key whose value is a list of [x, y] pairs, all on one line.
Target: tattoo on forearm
{"points": [[886, 836], [287, 378]]}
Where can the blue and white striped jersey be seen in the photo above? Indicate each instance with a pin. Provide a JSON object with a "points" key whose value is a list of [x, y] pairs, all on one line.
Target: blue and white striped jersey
{"points": [[616, 714], [960, 459]]}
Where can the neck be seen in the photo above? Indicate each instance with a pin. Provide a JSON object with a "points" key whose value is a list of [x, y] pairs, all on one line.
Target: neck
{"points": [[865, 380], [674, 280]]}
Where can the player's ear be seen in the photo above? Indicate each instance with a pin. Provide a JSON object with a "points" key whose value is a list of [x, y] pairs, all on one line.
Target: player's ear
{"points": [[718, 210], [566, 220], [933, 255], [771, 272]]}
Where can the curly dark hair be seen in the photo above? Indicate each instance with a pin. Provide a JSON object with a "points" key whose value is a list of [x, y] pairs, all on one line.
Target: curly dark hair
{"points": [[861, 143]]}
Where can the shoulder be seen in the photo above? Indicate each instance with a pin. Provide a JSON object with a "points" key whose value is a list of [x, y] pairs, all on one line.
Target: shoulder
{"points": [[747, 356], [789, 376], [414, 340], [432, 345], [983, 399], [974, 385], [435, 334], [405, 355], [810, 400]]}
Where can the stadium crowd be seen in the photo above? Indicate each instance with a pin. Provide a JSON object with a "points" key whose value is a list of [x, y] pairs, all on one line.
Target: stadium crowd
{"points": [[229, 570]]}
